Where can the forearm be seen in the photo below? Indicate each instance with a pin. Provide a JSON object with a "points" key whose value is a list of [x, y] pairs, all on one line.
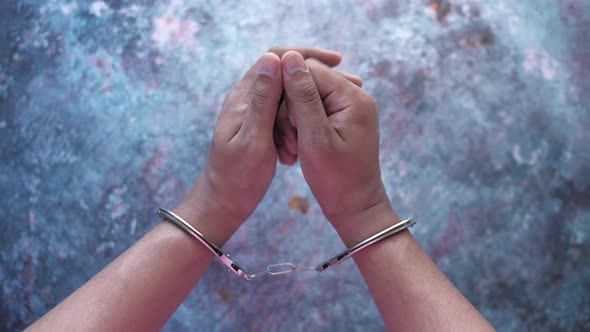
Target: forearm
{"points": [[141, 289], [410, 291]]}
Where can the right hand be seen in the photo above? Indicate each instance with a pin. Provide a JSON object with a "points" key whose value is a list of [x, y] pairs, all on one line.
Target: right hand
{"points": [[285, 133], [337, 141]]}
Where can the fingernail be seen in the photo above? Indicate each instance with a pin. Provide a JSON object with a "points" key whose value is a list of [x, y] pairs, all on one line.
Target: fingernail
{"points": [[267, 66], [294, 62]]}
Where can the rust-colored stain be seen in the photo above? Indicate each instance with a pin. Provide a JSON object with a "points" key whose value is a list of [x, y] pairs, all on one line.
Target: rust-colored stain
{"points": [[442, 8], [223, 293], [298, 203]]}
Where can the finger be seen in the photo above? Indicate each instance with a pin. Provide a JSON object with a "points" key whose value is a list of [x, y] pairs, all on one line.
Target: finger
{"points": [[239, 95], [285, 135], [336, 91], [329, 58], [286, 158], [283, 109], [235, 105], [304, 100], [287, 132], [264, 96], [353, 78]]}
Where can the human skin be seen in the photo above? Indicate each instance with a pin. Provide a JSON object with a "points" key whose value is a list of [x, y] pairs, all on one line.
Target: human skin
{"points": [[141, 289], [334, 124], [337, 138]]}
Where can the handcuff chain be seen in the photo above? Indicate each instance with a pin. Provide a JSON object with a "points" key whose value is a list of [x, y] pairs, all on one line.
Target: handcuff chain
{"points": [[277, 269], [281, 268]]}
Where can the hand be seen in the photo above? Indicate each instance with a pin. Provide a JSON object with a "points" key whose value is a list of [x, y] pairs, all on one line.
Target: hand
{"points": [[242, 157], [285, 128], [337, 140]]}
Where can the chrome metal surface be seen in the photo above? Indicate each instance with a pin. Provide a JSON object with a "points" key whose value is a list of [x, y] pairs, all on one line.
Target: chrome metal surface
{"points": [[184, 225], [281, 268], [400, 226]]}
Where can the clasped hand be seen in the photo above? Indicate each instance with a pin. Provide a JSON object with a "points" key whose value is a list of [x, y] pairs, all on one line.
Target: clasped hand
{"points": [[290, 105]]}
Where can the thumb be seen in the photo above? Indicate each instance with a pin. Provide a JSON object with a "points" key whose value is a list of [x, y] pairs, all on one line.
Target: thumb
{"points": [[264, 96], [304, 100]]}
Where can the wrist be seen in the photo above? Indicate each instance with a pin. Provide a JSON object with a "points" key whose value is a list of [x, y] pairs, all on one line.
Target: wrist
{"points": [[203, 210], [359, 226]]}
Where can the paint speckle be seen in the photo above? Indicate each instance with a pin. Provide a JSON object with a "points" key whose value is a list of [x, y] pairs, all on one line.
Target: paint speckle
{"points": [[106, 114], [298, 203], [171, 32], [99, 8], [223, 293], [105, 247], [119, 210], [442, 9], [541, 63], [133, 227], [68, 8]]}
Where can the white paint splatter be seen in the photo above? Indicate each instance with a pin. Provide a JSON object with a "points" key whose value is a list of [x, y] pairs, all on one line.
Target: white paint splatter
{"points": [[520, 159], [99, 8], [119, 210], [171, 31], [541, 63], [68, 8], [516, 154], [101, 248], [133, 227]]}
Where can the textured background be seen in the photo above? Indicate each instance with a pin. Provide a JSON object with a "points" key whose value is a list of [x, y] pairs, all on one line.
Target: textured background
{"points": [[106, 109]]}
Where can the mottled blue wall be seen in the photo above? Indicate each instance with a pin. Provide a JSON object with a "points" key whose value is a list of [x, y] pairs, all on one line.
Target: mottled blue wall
{"points": [[106, 109]]}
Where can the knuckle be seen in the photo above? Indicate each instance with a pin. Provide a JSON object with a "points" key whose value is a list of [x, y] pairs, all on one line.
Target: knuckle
{"points": [[306, 92], [367, 100], [229, 98], [367, 109], [235, 98], [259, 96]]}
